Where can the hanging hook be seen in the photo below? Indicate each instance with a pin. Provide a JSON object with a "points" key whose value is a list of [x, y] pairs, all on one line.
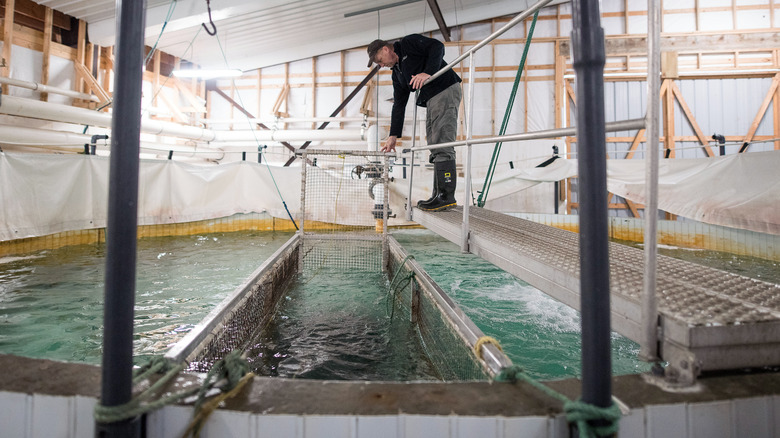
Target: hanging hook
{"points": [[211, 21]]}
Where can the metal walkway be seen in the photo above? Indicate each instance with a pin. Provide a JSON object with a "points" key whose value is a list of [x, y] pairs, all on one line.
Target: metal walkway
{"points": [[709, 319]]}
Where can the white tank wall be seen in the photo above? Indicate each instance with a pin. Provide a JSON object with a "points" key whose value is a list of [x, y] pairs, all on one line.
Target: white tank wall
{"points": [[37, 415]]}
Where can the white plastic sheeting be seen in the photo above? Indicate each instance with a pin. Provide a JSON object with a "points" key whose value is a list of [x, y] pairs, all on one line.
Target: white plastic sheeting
{"points": [[739, 191], [43, 194]]}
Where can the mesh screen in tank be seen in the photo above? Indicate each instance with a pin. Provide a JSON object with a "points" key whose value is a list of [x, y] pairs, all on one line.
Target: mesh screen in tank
{"points": [[344, 206]]}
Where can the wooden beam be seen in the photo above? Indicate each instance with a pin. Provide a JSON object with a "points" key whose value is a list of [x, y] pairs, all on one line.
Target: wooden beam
{"points": [[8, 41], [30, 14], [108, 68], [276, 110], [246, 113], [368, 99], [698, 15], [687, 43], [625, 17], [445, 31], [189, 96], [259, 90], [632, 207], [313, 90], [84, 74], [340, 107], [558, 94], [761, 111], [156, 81], [668, 111], [80, 52], [341, 84], [285, 113], [493, 80], [570, 93], [776, 109], [634, 144], [178, 115], [703, 139], [45, 66]]}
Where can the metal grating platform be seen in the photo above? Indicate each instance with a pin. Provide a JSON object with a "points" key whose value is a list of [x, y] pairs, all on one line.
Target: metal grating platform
{"points": [[710, 319]]}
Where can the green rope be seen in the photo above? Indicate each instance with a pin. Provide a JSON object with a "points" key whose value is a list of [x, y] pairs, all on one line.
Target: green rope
{"points": [[390, 301], [400, 266], [577, 412], [505, 123], [135, 407], [232, 367], [171, 7]]}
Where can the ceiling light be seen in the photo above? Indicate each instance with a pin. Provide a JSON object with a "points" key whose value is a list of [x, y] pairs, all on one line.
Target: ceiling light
{"points": [[379, 8], [207, 74]]}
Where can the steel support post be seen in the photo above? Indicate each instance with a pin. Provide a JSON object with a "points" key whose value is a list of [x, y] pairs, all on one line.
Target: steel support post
{"points": [[649, 346], [411, 161], [589, 58], [121, 229], [464, 242]]}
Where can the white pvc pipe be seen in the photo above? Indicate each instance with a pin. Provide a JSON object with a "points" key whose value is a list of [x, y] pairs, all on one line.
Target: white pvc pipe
{"points": [[18, 106], [269, 121], [290, 135], [43, 138], [47, 89]]}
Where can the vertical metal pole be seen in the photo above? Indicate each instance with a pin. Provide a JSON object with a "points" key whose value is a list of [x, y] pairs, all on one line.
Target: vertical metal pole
{"points": [[411, 161], [648, 349], [385, 211], [466, 227], [304, 166], [588, 43], [121, 229]]}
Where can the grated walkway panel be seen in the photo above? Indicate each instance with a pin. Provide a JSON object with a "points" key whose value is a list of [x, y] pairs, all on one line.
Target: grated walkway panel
{"points": [[710, 319]]}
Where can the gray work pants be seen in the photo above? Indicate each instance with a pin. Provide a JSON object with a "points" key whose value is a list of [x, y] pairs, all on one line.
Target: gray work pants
{"points": [[441, 122]]}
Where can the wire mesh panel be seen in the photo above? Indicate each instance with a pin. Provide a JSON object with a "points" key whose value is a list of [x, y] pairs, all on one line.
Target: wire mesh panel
{"points": [[234, 322], [446, 334], [344, 203]]}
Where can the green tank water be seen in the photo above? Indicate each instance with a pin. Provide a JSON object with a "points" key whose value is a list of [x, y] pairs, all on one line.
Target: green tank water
{"points": [[51, 302]]}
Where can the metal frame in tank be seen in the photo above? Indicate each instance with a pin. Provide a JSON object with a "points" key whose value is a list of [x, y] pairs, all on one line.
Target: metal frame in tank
{"points": [[197, 340], [493, 359]]}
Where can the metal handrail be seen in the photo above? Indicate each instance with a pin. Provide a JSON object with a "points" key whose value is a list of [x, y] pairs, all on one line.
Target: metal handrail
{"points": [[610, 127], [621, 125], [520, 17]]}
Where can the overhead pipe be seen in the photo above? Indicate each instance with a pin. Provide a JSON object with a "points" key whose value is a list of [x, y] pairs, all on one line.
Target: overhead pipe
{"points": [[589, 58], [293, 120], [281, 135], [35, 86], [121, 226], [72, 141], [18, 106]]}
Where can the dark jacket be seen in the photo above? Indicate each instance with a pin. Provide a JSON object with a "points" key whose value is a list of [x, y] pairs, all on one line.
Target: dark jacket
{"points": [[417, 54]]}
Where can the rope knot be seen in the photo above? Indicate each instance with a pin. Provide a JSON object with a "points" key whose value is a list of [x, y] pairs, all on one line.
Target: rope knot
{"points": [[509, 374], [583, 413]]}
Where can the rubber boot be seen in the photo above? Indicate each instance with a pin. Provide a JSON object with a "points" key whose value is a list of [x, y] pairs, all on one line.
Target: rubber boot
{"points": [[435, 192], [446, 180]]}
